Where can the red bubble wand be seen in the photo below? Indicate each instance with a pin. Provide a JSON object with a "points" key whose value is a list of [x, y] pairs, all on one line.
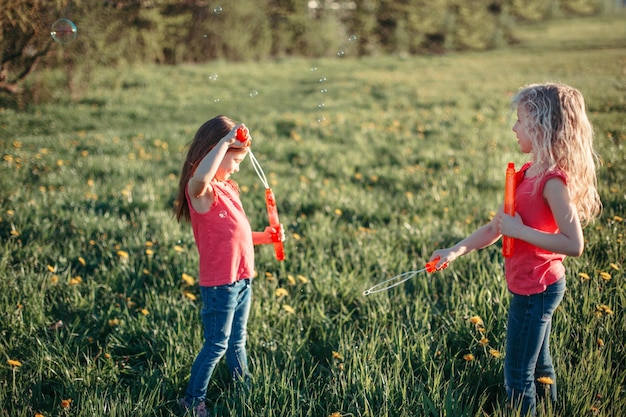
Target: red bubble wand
{"points": [[243, 135], [405, 276], [509, 207]]}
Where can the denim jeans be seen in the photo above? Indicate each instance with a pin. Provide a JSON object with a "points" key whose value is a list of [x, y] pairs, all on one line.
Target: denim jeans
{"points": [[225, 311], [528, 348]]}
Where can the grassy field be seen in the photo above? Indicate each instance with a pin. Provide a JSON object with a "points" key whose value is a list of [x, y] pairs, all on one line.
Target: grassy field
{"points": [[374, 162]]}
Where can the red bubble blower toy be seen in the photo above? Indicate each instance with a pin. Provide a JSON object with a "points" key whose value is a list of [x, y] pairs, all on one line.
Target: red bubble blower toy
{"points": [[243, 135], [430, 267], [509, 207]]}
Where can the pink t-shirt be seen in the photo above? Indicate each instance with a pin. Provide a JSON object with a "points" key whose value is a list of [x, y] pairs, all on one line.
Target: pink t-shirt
{"points": [[223, 238], [531, 269]]}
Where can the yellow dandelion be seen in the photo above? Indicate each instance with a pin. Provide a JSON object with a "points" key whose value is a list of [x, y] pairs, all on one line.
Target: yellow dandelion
{"points": [[605, 276], [483, 342], [600, 342], [281, 292], [39, 415], [149, 244], [291, 279], [113, 322], [303, 279], [82, 261], [54, 279], [289, 309], [14, 363], [15, 233], [144, 311], [52, 268], [604, 309], [468, 357], [614, 266], [269, 276], [178, 249], [188, 279], [296, 236], [190, 295], [545, 380], [337, 356], [583, 276], [122, 254], [149, 253], [335, 414], [66, 403], [145, 271], [338, 212], [617, 219], [10, 213], [476, 320], [76, 280], [495, 353]]}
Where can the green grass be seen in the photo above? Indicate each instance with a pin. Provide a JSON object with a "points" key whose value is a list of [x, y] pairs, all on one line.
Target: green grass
{"points": [[384, 161]]}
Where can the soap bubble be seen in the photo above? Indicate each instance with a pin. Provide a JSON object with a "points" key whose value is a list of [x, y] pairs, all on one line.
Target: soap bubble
{"points": [[217, 9], [340, 53], [352, 38], [254, 93], [213, 77], [63, 31]]}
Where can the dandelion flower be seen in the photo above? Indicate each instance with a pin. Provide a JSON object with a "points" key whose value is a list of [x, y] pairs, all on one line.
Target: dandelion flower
{"points": [[600, 342], [66, 403], [178, 249], [338, 212], [15, 233], [289, 309], [605, 276], [144, 311], [337, 356], [583, 276], [122, 254], [495, 353], [188, 279], [296, 236], [14, 363], [545, 380], [54, 279], [114, 322], [614, 266], [303, 279], [281, 292], [51, 269], [76, 280], [190, 295], [468, 357], [82, 261], [335, 414], [476, 320], [291, 279], [617, 219], [604, 309], [149, 253], [39, 415], [483, 342]]}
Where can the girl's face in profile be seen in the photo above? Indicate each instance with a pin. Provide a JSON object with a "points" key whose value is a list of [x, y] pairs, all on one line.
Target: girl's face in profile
{"points": [[230, 164], [521, 130]]}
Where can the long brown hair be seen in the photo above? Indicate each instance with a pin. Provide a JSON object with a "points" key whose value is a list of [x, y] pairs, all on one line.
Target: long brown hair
{"points": [[207, 136]]}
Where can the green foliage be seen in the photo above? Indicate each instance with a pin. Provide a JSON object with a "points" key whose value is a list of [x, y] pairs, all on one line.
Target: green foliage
{"points": [[374, 162]]}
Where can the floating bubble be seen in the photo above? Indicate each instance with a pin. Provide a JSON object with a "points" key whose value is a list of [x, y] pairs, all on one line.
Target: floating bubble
{"points": [[213, 77], [217, 9], [63, 31], [323, 80], [352, 38], [321, 105], [321, 119], [313, 69], [324, 90], [340, 53], [217, 100], [254, 93]]}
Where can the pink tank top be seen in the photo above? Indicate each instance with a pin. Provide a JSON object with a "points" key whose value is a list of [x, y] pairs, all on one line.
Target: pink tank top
{"points": [[531, 269], [223, 238]]}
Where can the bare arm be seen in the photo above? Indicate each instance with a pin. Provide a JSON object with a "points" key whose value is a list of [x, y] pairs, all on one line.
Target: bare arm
{"points": [[480, 238], [569, 240]]}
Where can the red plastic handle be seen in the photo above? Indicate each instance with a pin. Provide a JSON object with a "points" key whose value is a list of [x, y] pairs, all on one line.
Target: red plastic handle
{"points": [[243, 135], [509, 207], [272, 214], [432, 265]]}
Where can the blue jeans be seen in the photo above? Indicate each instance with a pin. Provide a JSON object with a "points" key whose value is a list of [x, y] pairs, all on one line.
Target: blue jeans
{"points": [[528, 347], [225, 311]]}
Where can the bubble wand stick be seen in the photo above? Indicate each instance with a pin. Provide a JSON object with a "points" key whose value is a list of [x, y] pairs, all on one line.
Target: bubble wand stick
{"points": [[243, 135], [405, 276]]}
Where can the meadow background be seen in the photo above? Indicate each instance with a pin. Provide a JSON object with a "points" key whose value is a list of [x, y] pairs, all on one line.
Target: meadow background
{"points": [[374, 162]]}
